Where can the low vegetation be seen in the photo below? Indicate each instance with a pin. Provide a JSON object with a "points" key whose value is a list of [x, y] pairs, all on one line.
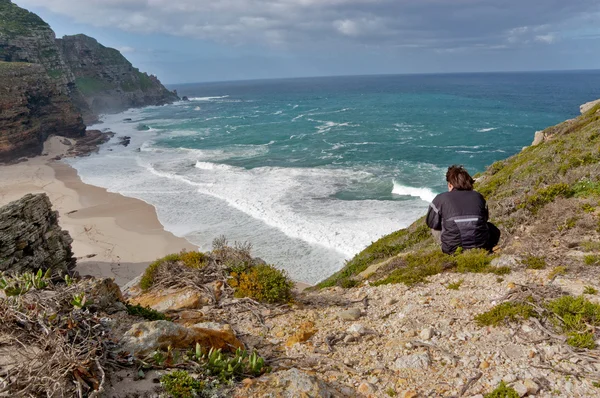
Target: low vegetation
{"points": [[533, 262], [264, 283], [179, 384], [505, 312], [503, 391], [145, 312]]}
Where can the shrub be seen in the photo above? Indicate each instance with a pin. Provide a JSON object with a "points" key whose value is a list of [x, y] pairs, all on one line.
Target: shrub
{"points": [[586, 188], [228, 368], [503, 391], [475, 260], [193, 259], [533, 262], [180, 384], [556, 271], [510, 311], [543, 196], [148, 277], [263, 282], [17, 285], [589, 290], [592, 259], [581, 340], [146, 313], [574, 314], [418, 266]]}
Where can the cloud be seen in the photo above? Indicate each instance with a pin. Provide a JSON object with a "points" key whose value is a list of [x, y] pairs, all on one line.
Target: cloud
{"points": [[435, 24], [126, 49]]}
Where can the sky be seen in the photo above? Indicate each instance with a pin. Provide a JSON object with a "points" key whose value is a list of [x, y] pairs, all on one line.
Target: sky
{"points": [[184, 41]]}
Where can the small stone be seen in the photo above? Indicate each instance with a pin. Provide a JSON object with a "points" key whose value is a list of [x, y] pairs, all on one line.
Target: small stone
{"points": [[426, 334], [366, 389], [413, 361], [373, 380], [357, 328], [532, 387], [409, 394], [520, 388], [350, 315], [390, 301], [509, 378], [526, 328], [511, 285], [349, 338], [484, 365], [477, 396]]}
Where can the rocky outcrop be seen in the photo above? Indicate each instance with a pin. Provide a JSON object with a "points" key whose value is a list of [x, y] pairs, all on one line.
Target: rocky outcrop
{"points": [[107, 80], [31, 239], [32, 107], [588, 105]]}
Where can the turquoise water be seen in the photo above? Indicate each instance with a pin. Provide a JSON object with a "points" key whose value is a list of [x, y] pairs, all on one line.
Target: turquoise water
{"points": [[312, 170]]}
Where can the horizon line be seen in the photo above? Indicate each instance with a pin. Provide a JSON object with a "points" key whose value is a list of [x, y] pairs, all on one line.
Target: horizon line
{"points": [[382, 74]]}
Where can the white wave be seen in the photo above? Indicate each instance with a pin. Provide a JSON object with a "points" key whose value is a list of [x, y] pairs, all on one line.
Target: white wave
{"points": [[208, 98], [425, 194], [212, 166], [485, 130], [298, 117], [197, 108], [278, 113]]}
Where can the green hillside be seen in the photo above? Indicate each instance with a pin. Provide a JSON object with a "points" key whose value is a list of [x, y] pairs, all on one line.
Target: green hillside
{"points": [[545, 200]]}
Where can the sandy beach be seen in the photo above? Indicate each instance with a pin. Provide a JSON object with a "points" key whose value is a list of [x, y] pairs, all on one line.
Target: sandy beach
{"points": [[113, 235]]}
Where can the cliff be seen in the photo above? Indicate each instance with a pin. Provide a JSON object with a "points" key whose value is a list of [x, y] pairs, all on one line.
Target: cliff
{"points": [[50, 86], [33, 107], [107, 80]]}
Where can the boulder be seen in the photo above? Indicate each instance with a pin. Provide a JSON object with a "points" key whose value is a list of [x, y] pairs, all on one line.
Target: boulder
{"points": [[413, 361], [350, 315], [588, 105], [31, 239], [290, 384], [538, 138], [145, 337], [172, 299]]}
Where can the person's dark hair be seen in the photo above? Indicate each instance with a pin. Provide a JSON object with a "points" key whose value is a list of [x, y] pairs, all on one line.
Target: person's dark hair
{"points": [[459, 178]]}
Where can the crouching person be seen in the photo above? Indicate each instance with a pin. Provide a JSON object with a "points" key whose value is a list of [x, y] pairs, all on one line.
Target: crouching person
{"points": [[459, 217]]}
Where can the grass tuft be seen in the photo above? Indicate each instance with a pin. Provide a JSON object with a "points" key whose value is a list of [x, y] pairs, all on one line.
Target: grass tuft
{"points": [[509, 311], [503, 391], [533, 262], [180, 384]]}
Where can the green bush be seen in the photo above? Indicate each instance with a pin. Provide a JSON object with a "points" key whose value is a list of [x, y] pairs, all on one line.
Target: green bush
{"points": [[533, 262], [574, 314], [417, 267], [474, 260], [262, 282], [148, 277], [510, 311], [592, 259], [543, 196], [180, 384], [503, 391], [590, 290], [581, 340]]}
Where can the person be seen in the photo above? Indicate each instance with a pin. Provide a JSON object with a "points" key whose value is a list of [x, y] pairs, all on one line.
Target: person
{"points": [[459, 217]]}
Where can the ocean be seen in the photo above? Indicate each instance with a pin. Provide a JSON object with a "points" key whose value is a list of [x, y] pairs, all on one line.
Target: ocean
{"points": [[310, 171]]}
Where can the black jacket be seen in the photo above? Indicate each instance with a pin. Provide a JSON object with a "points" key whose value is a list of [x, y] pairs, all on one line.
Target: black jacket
{"points": [[462, 217]]}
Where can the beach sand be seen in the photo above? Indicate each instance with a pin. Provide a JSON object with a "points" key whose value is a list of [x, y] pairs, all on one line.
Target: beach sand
{"points": [[113, 235]]}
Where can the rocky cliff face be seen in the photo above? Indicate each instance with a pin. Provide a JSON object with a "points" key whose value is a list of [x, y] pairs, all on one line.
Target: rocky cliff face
{"points": [[31, 239], [50, 86], [32, 107], [107, 80]]}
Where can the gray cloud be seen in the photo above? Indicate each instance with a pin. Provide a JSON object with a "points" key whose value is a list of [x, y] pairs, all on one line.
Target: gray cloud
{"points": [[442, 25]]}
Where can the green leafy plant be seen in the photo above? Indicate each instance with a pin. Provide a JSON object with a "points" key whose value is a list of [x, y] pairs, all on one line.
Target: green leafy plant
{"points": [[17, 285], [68, 280], [503, 391], [180, 384], [509, 311], [581, 340], [575, 316], [79, 301], [228, 368], [592, 259]]}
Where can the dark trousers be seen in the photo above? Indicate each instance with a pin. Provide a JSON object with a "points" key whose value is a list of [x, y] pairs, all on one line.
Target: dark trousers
{"points": [[493, 239]]}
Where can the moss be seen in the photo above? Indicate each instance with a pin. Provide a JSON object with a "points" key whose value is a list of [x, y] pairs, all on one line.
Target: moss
{"points": [[263, 283], [533, 262], [145, 312], [581, 340], [417, 267], [148, 277], [386, 247], [180, 384], [502, 391], [455, 285], [509, 311], [591, 259]]}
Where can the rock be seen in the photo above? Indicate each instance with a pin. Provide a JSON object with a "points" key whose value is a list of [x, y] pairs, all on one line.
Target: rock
{"points": [[357, 328], [292, 383], [532, 387], [505, 260], [305, 332], [588, 105], [349, 338], [365, 388], [132, 288], [538, 138], [509, 378], [426, 334], [520, 388], [31, 239], [350, 315], [413, 361], [184, 98], [391, 301], [103, 295], [172, 299], [189, 317], [145, 337]]}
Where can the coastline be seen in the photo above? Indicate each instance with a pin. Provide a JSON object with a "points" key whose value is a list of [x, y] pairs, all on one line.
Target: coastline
{"points": [[113, 235]]}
